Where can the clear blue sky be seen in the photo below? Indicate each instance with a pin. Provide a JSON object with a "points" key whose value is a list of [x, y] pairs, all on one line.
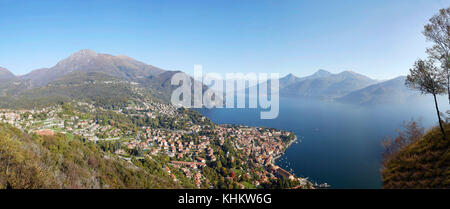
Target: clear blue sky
{"points": [[378, 38]]}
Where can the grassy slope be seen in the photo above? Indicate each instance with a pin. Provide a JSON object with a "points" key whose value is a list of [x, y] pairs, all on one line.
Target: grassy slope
{"points": [[58, 162], [100, 88], [423, 164]]}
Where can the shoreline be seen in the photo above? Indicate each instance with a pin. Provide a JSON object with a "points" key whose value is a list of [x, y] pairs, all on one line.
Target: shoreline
{"points": [[285, 149]]}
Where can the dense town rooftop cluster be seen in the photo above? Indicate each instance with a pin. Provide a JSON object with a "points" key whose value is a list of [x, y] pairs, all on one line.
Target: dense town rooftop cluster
{"points": [[192, 146]]}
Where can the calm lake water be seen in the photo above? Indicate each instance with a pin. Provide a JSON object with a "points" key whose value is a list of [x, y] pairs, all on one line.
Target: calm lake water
{"points": [[341, 143]]}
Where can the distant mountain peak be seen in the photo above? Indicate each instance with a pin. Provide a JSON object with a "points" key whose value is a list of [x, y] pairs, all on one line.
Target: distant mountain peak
{"points": [[4, 69], [290, 76], [78, 58], [5, 74], [87, 60], [348, 72], [321, 73], [354, 75], [84, 52]]}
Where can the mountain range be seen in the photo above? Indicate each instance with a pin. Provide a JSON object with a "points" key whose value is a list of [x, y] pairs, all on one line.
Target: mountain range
{"points": [[87, 60], [323, 84], [391, 91], [119, 76], [6, 75], [79, 70], [347, 87]]}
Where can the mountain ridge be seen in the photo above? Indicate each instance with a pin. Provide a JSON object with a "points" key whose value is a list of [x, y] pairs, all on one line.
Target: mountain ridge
{"points": [[346, 86], [153, 80], [323, 84], [392, 91], [6, 75], [89, 61]]}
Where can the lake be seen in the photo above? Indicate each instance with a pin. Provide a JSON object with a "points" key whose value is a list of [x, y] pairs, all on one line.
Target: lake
{"points": [[340, 143]]}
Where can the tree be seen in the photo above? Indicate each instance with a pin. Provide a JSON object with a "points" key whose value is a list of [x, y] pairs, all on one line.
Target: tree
{"points": [[438, 31], [426, 77], [412, 132]]}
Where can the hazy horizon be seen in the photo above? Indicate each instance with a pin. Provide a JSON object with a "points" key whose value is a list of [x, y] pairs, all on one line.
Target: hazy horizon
{"points": [[379, 39], [281, 75]]}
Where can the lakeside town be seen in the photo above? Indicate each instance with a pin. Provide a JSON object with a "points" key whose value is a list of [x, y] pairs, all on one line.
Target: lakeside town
{"points": [[189, 143]]}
